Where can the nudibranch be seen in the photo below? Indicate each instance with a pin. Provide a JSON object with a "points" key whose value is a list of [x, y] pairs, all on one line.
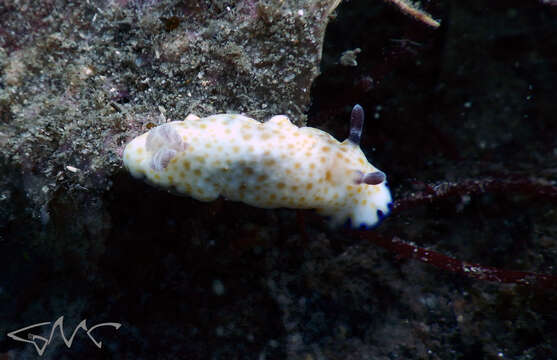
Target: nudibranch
{"points": [[268, 165]]}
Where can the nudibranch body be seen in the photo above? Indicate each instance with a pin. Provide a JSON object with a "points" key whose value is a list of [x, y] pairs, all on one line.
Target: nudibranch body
{"points": [[268, 165]]}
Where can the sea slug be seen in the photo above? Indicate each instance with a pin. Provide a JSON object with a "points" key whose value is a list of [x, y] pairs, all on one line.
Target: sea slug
{"points": [[268, 165]]}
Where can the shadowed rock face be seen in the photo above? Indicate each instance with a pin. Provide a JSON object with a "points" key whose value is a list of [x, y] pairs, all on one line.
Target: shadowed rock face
{"points": [[81, 79], [81, 238]]}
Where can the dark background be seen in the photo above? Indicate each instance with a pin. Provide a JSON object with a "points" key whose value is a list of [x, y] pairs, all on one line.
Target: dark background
{"points": [[189, 280]]}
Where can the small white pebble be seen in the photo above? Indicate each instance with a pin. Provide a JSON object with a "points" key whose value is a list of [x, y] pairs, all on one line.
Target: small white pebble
{"points": [[218, 287]]}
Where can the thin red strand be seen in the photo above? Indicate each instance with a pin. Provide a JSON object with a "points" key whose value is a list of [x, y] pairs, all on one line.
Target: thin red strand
{"points": [[436, 192]]}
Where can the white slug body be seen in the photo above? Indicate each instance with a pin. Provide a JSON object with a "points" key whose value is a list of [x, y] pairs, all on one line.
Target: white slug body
{"points": [[268, 165]]}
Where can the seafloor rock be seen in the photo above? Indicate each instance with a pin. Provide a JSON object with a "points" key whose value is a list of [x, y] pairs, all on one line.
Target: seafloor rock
{"points": [[220, 280], [79, 79]]}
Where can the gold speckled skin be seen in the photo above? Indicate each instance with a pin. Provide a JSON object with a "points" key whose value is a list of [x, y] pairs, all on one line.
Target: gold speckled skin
{"points": [[269, 165]]}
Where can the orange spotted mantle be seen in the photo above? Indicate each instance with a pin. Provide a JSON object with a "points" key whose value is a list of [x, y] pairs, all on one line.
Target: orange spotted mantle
{"points": [[268, 165]]}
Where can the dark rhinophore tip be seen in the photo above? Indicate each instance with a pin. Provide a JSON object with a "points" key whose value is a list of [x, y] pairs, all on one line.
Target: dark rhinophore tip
{"points": [[373, 178], [356, 124]]}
